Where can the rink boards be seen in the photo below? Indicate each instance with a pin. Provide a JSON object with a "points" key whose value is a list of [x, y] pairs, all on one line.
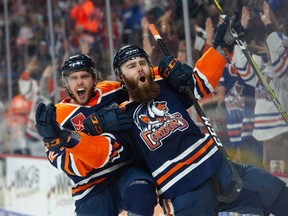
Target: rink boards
{"points": [[32, 187]]}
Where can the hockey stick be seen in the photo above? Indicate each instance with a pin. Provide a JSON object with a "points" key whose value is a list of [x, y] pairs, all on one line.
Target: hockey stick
{"points": [[236, 182], [255, 67]]}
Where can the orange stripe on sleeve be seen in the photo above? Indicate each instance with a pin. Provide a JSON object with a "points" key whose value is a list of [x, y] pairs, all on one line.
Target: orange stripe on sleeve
{"points": [[200, 84], [92, 150], [211, 65]]}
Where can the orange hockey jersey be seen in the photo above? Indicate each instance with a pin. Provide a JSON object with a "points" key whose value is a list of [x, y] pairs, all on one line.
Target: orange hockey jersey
{"points": [[94, 162]]}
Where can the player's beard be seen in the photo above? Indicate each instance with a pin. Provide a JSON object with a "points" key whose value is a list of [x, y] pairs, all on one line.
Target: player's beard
{"points": [[145, 93]]}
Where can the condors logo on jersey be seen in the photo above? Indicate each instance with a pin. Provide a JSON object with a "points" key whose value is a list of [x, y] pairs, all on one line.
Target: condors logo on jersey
{"points": [[156, 123]]}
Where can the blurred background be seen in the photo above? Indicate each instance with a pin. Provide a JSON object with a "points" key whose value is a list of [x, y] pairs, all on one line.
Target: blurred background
{"points": [[37, 36]]}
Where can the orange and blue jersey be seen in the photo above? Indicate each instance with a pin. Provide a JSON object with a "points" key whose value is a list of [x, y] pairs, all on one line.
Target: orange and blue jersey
{"points": [[167, 142], [95, 162]]}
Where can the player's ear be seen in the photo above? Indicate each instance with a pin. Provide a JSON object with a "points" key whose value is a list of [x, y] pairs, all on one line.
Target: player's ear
{"points": [[120, 78], [118, 74]]}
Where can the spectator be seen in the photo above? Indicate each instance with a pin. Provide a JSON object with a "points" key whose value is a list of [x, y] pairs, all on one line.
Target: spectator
{"points": [[30, 93], [269, 127], [240, 102], [18, 143], [86, 16], [130, 17], [167, 29]]}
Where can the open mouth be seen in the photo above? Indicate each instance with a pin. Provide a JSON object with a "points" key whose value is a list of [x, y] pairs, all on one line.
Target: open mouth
{"points": [[81, 92], [142, 79]]}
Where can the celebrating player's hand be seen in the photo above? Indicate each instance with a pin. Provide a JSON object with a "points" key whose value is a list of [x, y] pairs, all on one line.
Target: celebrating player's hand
{"points": [[223, 36], [53, 136], [176, 73], [108, 119]]}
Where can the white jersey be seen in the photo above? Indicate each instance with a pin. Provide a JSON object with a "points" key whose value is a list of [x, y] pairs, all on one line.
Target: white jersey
{"points": [[278, 48], [268, 121]]}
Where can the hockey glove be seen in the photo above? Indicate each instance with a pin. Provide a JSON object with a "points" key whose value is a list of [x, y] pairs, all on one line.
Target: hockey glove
{"points": [[223, 37], [108, 119], [176, 73], [53, 136]]}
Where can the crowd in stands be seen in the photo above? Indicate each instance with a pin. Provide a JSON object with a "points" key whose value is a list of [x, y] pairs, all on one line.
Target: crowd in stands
{"points": [[80, 26]]}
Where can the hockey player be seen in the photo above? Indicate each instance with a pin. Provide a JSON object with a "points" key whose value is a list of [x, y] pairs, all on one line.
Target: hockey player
{"points": [[105, 181], [182, 160]]}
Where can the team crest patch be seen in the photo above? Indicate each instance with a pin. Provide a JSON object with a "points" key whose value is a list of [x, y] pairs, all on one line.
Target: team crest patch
{"points": [[77, 122], [156, 123], [233, 100]]}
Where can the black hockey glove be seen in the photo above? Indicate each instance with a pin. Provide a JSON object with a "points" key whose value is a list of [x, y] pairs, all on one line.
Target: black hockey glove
{"points": [[108, 119], [223, 37], [53, 136], [177, 74]]}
